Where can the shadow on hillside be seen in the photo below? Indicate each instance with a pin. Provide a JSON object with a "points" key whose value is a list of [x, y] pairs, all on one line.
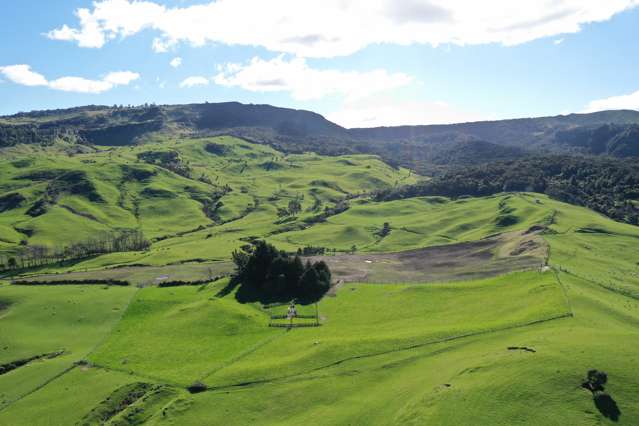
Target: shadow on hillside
{"points": [[607, 406], [249, 294], [228, 289]]}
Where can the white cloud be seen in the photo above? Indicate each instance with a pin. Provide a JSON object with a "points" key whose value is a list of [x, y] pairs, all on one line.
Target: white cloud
{"points": [[23, 75], [385, 111], [194, 81], [107, 20], [630, 101], [327, 28], [176, 62], [558, 41], [121, 78], [304, 82], [80, 85]]}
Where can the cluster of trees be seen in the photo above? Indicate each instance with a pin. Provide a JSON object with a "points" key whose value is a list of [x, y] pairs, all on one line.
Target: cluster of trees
{"points": [[217, 149], [608, 186], [340, 207], [11, 201], [313, 251], [293, 208], [270, 274], [167, 159], [30, 256]]}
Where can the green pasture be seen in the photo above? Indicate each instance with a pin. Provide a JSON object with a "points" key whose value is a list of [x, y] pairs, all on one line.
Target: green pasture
{"points": [[45, 319], [508, 350]]}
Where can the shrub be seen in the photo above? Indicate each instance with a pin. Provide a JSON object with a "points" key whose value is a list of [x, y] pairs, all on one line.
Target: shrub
{"points": [[197, 387], [595, 380]]}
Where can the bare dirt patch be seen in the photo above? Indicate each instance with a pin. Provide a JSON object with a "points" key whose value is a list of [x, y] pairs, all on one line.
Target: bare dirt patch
{"points": [[497, 255]]}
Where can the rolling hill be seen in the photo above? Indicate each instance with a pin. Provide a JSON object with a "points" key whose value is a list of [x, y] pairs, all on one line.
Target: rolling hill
{"points": [[475, 296]]}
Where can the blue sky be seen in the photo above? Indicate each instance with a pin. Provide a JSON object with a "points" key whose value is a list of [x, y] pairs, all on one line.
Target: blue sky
{"points": [[359, 63]]}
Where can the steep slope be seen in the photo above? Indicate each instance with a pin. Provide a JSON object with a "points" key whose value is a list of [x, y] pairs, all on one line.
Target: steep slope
{"points": [[298, 130], [523, 132]]}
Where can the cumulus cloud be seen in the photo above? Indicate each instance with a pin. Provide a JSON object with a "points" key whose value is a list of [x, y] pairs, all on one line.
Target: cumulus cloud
{"points": [[176, 62], [386, 111], [23, 75], [121, 78], [194, 81], [306, 83], [630, 101], [328, 28]]}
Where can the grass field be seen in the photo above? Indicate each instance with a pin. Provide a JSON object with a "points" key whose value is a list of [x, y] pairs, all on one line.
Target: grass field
{"points": [[73, 319], [250, 181], [448, 329]]}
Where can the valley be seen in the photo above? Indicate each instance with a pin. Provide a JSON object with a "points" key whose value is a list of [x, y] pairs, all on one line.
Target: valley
{"points": [[443, 310]]}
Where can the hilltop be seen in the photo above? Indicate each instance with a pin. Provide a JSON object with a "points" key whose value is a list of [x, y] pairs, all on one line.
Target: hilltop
{"points": [[605, 144], [614, 133]]}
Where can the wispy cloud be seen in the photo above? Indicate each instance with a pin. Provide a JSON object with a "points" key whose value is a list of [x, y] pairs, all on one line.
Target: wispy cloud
{"points": [[176, 62], [23, 75], [328, 28], [306, 83]]}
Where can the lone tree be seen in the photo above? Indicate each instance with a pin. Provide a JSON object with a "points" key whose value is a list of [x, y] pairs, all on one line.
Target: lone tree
{"points": [[269, 274], [595, 380], [386, 229]]}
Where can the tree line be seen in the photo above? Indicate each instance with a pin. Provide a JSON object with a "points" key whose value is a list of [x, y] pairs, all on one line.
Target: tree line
{"points": [[30, 256]]}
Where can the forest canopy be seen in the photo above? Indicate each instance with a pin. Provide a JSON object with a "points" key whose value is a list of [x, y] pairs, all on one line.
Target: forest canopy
{"points": [[605, 185]]}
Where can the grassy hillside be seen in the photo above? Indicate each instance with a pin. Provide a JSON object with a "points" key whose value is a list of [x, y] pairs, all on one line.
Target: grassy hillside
{"points": [[72, 320], [440, 346], [171, 189], [296, 131]]}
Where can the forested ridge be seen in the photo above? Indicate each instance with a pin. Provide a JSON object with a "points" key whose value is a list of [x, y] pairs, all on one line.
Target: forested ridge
{"points": [[608, 186]]}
